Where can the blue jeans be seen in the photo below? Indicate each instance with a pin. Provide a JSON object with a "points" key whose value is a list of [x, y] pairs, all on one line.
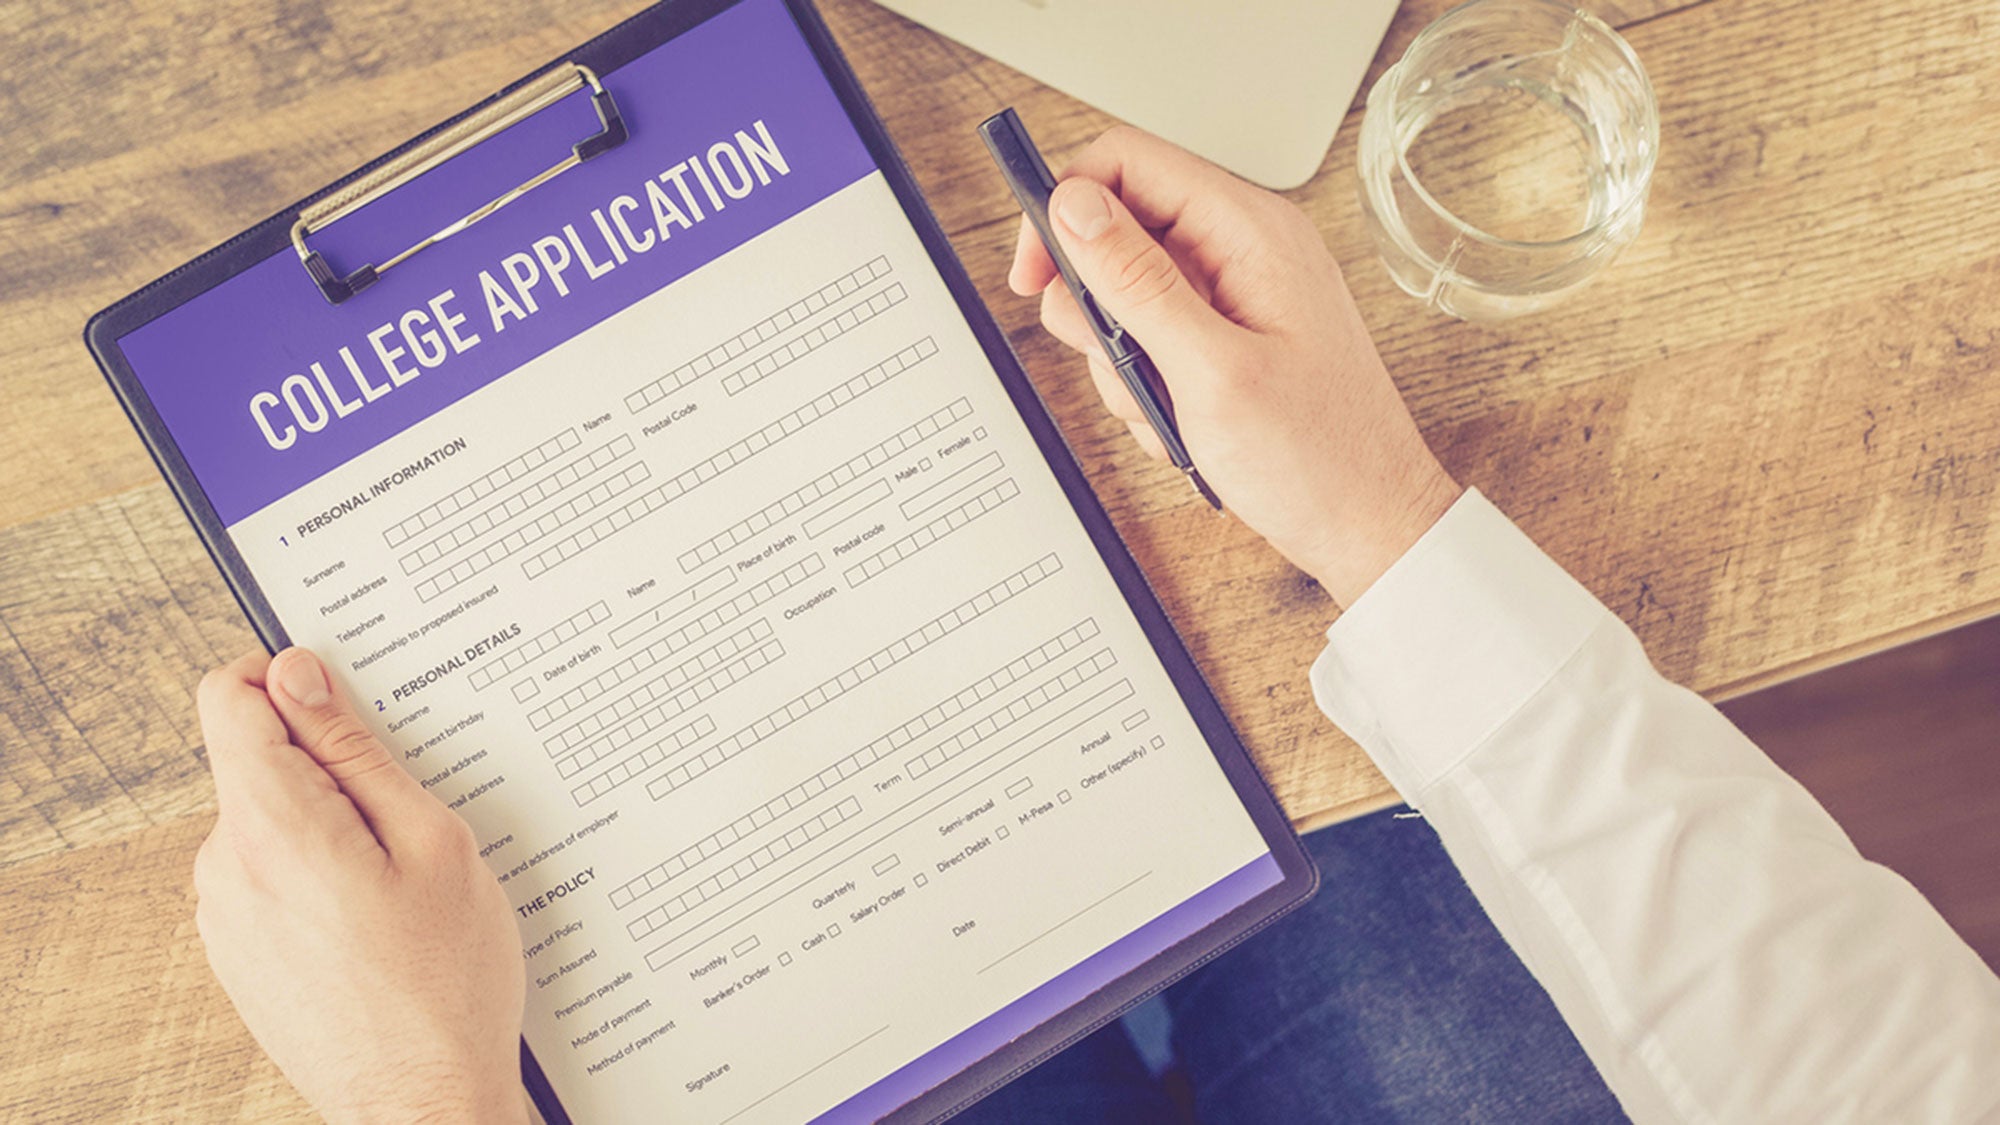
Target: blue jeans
{"points": [[1389, 997]]}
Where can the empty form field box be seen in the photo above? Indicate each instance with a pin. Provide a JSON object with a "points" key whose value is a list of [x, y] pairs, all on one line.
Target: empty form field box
{"points": [[515, 504], [825, 485], [661, 752], [550, 522], [719, 356], [868, 668], [942, 491], [736, 831], [662, 684], [690, 479], [671, 607], [931, 532], [450, 505], [1038, 704], [662, 747], [611, 678], [805, 343], [742, 869], [825, 780], [846, 509], [973, 694], [735, 607], [514, 659]]}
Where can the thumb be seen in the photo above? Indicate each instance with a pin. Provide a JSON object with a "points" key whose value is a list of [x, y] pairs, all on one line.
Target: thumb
{"points": [[325, 726], [1129, 273]]}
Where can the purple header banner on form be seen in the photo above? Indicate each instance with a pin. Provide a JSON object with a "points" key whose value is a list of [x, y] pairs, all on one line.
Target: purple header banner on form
{"points": [[233, 375]]}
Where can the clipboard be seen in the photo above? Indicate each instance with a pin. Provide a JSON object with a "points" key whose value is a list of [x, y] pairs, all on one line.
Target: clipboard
{"points": [[515, 173]]}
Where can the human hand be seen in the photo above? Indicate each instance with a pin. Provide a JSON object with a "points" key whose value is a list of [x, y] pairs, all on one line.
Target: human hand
{"points": [[347, 912], [1280, 396]]}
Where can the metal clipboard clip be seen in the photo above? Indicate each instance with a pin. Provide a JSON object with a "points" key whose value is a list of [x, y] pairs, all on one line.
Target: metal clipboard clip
{"points": [[537, 95]]}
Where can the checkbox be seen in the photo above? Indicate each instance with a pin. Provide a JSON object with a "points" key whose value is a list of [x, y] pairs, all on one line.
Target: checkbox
{"points": [[833, 931], [979, 434], [784, 959], [1001, 832], [922, 879], [1063, 796]]}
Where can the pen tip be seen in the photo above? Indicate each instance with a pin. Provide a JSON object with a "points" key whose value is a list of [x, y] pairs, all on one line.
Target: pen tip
{"points": [[1201, 486]]}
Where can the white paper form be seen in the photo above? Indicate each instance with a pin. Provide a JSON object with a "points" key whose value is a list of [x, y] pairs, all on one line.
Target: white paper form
{"points": [[805, 728], [672, 528]]}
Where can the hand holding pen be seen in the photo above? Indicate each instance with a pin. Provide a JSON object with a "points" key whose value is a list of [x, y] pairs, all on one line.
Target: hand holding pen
{"points": [[1028, 177], [1276, 393]]}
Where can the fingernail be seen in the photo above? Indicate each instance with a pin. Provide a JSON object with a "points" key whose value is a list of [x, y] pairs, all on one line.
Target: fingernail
{"points": [[304, 680], [1083, 208]]}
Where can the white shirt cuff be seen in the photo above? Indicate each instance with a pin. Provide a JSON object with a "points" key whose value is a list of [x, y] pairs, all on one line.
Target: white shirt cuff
{"points": [[1449, 643]]}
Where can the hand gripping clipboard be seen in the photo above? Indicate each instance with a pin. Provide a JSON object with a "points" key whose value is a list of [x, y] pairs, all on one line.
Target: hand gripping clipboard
{"points": [[314, 271]]}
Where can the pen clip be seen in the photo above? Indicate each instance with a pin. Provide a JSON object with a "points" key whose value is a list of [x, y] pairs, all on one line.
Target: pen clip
{"points": [[1113, 335]]}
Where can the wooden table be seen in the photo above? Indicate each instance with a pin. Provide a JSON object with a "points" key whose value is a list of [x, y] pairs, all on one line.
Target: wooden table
{"points": [[1769, 437]]}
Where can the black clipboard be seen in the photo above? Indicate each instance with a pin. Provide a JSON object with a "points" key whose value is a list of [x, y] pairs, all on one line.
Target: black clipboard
{"points": [[341, 277]]}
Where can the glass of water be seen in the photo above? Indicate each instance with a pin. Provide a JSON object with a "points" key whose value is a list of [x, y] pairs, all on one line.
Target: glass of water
{"points": [[1505, 159]]}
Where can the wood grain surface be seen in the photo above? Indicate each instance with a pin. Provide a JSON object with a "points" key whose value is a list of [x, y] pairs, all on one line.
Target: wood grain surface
{"points": [[1769, 437]]}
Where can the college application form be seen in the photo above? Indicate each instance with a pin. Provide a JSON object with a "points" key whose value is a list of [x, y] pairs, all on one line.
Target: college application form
{"points": [[672, 527]]}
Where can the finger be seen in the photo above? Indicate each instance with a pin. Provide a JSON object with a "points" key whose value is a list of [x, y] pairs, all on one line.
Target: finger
{"points": [[1065, 321], [1162, 183], [1116, 395], [1135, 279], [249, 750], [1033, 269], [1149, 442], [325, 726]]}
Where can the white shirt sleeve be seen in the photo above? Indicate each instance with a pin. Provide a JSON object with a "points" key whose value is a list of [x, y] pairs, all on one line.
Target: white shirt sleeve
{"points": [[1709, 933]]}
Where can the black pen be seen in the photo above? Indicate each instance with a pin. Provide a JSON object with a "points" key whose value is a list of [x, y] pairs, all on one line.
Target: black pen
{"points": [[1027, 174]]}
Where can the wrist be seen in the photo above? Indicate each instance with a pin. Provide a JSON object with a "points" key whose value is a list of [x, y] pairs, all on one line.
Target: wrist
{"points": [[499, 1107], [496, 1100], [1374, 543], [425, 1096]]}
